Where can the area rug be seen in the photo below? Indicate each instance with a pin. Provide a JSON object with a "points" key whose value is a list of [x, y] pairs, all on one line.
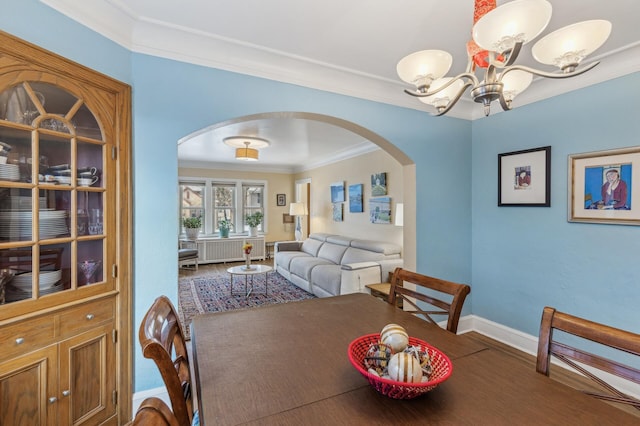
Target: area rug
{"points": [[204, 294]]}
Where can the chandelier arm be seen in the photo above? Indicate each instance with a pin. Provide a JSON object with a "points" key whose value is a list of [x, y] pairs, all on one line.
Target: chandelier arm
{"points": [[474, 81], [503, 103], [454, 100], [548, 74]]}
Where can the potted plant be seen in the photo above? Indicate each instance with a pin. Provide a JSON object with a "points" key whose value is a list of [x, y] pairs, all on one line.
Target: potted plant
{"points": [[224, 225], [254, 220], [192, 226]]}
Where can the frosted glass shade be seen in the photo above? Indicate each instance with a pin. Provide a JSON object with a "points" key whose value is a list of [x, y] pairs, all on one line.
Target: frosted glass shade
{"points": [[421, 68], [569, 45], [519, 20], [442, 99], [515, 82]]}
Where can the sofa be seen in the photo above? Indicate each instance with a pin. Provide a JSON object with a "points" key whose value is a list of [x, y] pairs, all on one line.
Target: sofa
{"points": [[330, 265]]}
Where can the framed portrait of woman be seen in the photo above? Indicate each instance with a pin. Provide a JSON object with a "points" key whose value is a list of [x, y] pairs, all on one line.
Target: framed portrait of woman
{"points": [[604, 187]]}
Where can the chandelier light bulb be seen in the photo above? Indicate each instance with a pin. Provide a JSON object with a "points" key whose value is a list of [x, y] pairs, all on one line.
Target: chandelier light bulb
{"points": [[519, 20], [514, 83], [423, 67], [568, 46], [441, 99]]}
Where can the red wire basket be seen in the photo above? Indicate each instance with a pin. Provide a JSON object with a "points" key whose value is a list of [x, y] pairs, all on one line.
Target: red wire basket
{"points": [[441, 369]]}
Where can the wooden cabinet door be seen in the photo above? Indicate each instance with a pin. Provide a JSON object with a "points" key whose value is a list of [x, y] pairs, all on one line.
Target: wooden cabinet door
{"points": [[28, 389], [88, 377]]}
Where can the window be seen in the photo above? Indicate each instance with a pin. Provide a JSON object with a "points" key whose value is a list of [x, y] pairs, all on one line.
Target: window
{"points": [[224, 204], [253, 196], [215, 200], [192, 202]]}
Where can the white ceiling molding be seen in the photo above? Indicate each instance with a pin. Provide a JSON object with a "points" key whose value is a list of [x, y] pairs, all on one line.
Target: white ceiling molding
{"points": [[114, 20]]}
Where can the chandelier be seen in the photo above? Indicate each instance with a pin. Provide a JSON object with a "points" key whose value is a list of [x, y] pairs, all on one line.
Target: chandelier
{"points": [[497, 38]]}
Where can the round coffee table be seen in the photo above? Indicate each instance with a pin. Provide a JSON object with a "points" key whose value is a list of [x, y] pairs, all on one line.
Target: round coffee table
{"points": [[248, 284]]}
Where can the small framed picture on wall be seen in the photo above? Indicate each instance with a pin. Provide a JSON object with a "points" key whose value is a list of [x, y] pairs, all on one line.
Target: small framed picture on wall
{"points": [[281, 200]]}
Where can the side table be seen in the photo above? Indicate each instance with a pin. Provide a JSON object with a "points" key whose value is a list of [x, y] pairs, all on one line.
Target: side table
{"points": [[248, 284], [381, 290]]}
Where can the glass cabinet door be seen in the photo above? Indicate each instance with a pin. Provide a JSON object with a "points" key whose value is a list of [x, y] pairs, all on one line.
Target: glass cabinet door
{"points": [[52, 192]]}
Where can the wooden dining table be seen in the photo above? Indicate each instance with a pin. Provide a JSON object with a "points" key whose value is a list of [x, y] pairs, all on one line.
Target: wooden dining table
{"points": [[287, 364]]}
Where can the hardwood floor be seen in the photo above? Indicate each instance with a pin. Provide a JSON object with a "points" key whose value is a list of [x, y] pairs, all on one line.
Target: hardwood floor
{"points": [[557, 373]]}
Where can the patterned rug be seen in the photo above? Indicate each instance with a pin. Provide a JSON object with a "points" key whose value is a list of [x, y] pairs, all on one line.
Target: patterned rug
{"points": [[198, 295]]}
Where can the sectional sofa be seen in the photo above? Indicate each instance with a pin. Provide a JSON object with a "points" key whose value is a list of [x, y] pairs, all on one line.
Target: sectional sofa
{"points": [[330, 265]]}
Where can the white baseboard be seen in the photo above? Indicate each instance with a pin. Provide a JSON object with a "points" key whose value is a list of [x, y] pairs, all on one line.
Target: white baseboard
{"points": [[509, 336]]}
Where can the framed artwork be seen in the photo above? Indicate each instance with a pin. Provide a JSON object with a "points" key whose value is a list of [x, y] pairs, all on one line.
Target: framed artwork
{"points": [[337, 212], [380, 210], [281, 200], [524, 178], [355, 198], [378, 184], [604, 187], [337, 192]]}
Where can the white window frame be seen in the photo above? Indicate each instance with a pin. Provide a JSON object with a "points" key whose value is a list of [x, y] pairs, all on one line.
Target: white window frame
{"points": [[208, 208]]}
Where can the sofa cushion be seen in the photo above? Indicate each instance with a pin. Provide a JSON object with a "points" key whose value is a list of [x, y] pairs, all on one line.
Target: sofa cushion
{"points": [[356, 255], [302, 266], [390, 250], [327, 278], [332, 252], [284, 258], [311, 246]]}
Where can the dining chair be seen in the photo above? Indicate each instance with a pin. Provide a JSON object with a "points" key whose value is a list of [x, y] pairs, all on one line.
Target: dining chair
{"points": [[162, 340], [580, 360], [154, 412], [410, 297]]}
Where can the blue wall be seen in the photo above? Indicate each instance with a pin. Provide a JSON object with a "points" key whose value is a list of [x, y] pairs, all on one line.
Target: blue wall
{"points": [[587, 269], [173, 99], [525, 258]]}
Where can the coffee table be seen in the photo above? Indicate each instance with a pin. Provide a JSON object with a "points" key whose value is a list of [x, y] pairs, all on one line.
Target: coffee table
{"points": [[249, 273]]}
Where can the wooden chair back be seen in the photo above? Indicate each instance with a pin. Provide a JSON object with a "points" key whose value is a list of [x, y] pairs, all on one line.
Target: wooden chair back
{"points": [[162, 340], [621, 340], [410, 298], [154, 412]]}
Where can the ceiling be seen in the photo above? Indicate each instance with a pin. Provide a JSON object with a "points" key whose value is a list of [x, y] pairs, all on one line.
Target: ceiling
{"points": [[348, 47]]}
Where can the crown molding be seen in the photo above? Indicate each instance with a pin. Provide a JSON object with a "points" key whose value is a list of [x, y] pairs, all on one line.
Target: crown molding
{"points": [[114, 20]]}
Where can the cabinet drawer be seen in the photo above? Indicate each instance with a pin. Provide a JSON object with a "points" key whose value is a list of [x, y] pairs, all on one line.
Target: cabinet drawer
{"points": [[86, 317], [22, 337]]}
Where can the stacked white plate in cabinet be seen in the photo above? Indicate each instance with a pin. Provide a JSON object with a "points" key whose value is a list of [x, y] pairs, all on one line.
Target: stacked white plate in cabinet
{"points": [[9, 172], [21, 202], [16, 224], [47, 279], [13, 294]]}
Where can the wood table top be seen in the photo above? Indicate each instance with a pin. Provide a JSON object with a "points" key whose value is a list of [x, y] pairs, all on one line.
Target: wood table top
{"points": [[288, 364]]}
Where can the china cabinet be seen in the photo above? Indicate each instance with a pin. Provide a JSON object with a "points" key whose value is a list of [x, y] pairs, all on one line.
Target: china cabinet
{"points": [[65, 241]]}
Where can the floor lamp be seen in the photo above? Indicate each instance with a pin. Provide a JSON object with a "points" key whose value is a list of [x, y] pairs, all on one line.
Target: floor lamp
{"points": [[298, 210]]}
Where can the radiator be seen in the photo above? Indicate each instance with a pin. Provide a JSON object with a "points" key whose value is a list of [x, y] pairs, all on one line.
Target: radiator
{"points": [[229, 249]]}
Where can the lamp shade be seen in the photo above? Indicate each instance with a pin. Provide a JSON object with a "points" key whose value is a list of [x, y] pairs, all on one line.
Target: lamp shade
{"points": [[515, 82], [569, 45], [399, 214], [421, 68], [519, 20], [442, 99], [297, 209], [246, 154]]}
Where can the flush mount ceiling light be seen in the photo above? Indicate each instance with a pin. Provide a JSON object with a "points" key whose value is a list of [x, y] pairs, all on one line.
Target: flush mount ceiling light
{"points": [[246, 146], [498, 36]]}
